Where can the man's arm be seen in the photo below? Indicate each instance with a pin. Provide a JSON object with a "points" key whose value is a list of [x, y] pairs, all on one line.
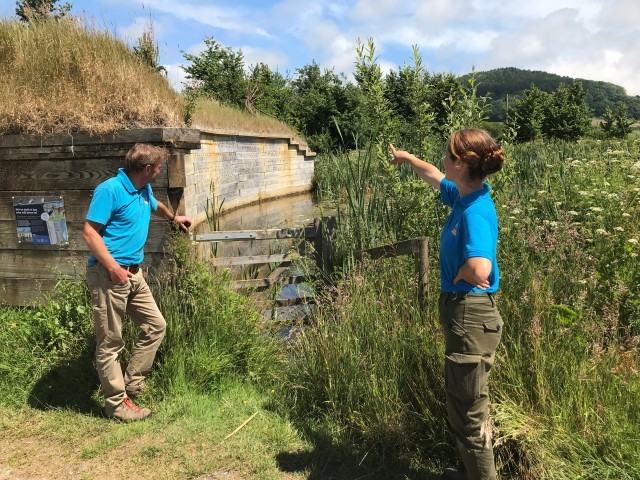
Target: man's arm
{"points": [[91, 235], [163, 212]]}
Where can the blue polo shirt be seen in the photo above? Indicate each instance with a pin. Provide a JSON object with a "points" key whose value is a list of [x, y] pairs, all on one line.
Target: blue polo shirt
{"points": [[471, 230], [124, 213]]}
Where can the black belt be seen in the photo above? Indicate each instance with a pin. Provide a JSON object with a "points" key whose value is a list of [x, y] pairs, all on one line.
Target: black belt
{"points": [[131, 268], [462, 295]]}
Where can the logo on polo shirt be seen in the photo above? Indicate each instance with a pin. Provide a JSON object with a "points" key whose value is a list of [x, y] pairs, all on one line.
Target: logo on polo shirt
{"points": [[454, 231]]}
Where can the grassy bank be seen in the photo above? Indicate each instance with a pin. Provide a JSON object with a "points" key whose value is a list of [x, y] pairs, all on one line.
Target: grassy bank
{"points": [[215, 370], [566, 379], [72, 76]]}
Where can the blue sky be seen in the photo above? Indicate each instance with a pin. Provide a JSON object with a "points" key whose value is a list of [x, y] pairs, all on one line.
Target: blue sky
{"points": [[593, 39]]}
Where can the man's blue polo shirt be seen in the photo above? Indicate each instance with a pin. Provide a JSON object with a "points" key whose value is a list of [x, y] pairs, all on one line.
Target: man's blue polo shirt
{"points": [[124, 213], [471, 230]]}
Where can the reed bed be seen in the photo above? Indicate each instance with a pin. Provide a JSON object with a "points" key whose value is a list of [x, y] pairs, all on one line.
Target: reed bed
{"points": [[566, 378]]}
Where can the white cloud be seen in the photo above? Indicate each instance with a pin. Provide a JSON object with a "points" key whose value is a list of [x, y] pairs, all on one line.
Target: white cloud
{"points": [[225, 18], [275, 60], [176, 76], [135, 30]]}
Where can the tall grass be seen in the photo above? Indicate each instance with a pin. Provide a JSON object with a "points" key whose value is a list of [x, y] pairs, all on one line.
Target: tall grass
{"points": [[70, 75], [64, 76], [213, 337], [566, 381]]}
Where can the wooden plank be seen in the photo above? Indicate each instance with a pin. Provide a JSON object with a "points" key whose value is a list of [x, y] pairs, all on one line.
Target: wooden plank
{"points": [[179, 137], [288, 302], [267, 234], [23, 291], [39, 264], [69, 153], [158, 230], [267, 282], [62, 174], [249, 260], [405, 247], [76, 202]]}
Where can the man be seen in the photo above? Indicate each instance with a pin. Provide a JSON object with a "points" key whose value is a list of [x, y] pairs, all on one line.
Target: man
{"points": [[116, 231]]}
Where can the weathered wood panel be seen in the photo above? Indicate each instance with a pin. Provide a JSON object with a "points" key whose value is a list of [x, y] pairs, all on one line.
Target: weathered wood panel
{"points": [[82, 174], [9, 237], [76, 202], [53, 263], [179, 137], [24, 291]]}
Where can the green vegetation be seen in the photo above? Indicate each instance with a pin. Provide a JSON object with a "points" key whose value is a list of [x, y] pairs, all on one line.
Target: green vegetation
{"points": [[216, 368], [566, 379], [63, 75], [363, 380], [511, 82]]}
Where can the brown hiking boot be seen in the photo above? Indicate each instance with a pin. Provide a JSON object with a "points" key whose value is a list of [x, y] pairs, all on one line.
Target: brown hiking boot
{"points": [[128, 412], [132, 394]]}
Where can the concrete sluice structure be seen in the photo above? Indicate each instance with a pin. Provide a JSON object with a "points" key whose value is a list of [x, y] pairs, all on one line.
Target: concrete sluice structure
{"points": [[214, 171]]}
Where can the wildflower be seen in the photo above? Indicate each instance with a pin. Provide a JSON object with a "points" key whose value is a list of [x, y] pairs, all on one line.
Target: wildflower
{"points": [[625, 214], [618, 229], [632, 241], [576, 163], [607, 184], [584, 193], [596, 209], [601, 231], [516, 211], [612, 195], [541, 192], [512, 218], [573, 213], [635, 166]]}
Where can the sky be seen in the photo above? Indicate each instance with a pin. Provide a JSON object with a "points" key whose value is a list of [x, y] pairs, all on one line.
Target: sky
{"points": [[591, 39]]}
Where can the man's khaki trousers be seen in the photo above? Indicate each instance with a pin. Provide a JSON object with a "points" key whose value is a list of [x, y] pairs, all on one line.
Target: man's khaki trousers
{"points": [[110, 302]]}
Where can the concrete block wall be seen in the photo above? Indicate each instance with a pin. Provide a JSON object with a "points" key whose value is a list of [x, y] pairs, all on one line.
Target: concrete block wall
{"points": [[235, 169]]}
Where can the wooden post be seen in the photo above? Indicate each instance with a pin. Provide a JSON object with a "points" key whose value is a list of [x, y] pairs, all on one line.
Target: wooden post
{"points": [[422, 269], [317, 241], [328, 243]]}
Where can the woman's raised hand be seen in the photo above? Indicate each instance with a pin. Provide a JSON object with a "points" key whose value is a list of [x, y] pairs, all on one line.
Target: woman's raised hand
{"points": [[399, 156]]}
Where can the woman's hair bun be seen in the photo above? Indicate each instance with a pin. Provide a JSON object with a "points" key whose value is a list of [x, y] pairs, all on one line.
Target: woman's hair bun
{"points": [[493, 161]]}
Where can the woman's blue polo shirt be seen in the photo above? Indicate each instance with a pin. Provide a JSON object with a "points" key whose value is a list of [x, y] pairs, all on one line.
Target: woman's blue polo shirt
{"points": [[471, 230], [124, 213]]}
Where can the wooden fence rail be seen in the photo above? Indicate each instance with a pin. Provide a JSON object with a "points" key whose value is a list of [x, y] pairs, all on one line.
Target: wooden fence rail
{"points": [[418, 248], [323, 233]]}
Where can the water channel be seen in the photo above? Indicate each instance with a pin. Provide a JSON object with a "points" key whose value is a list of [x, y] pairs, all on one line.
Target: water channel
{"points": [[294, 211]]}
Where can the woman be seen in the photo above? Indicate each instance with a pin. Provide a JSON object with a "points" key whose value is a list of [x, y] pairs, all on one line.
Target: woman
{"points": [[469, 277]]}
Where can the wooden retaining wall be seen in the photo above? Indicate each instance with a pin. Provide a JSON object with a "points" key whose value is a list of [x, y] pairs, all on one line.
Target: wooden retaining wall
{"points": [[233, 165]]}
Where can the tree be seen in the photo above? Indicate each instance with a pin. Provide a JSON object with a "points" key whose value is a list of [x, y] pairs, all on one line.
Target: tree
{"points": [[320, 99], [566, 115], [616, 124], [268, 92], [35, 10], [147, 49], [218, 72], [528, 114]]}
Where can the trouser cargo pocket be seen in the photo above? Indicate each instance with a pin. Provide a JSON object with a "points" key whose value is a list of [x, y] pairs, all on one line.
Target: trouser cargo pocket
{"points": [[464, 377]]}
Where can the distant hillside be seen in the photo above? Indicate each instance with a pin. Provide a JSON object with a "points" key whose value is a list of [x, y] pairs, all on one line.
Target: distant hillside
{"points": [[511, 81]]}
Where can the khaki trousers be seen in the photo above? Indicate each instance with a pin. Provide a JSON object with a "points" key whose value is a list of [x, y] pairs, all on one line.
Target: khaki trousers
{"points": [[472, 328], [109, 303]]}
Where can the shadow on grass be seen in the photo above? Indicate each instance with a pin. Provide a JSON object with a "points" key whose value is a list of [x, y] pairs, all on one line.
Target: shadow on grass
{"points": [[330, 461], [70, 384]]}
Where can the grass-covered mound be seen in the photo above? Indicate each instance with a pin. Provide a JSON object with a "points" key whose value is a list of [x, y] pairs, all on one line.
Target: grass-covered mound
{"points": [[63, 76], [68, 76]]}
